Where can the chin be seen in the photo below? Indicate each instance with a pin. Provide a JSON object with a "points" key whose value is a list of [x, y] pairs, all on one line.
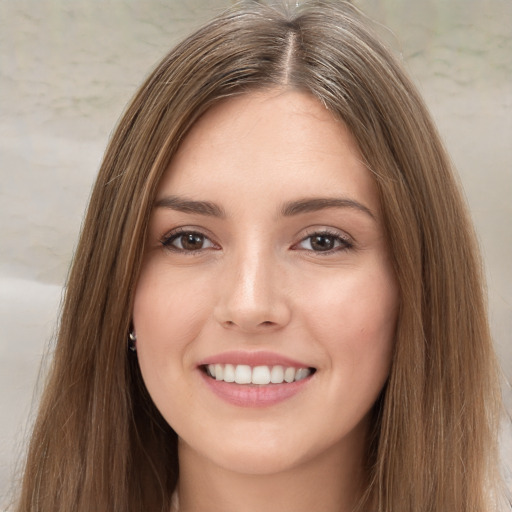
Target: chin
{"points": [[250, 454], [255, 462]]}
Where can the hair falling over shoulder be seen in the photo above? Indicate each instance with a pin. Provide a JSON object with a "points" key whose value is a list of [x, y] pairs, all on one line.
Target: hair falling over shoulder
{"points": [[100, 444]]}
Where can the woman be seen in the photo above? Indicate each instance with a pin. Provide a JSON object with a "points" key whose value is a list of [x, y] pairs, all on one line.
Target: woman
{"points": [[276, 301]]}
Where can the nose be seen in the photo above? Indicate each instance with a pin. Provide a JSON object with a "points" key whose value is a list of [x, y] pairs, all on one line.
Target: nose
{"points": [[253, 298]]}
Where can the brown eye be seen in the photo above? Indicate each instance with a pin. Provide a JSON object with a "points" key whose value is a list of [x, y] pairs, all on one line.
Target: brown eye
{"points": [[191, 241], [187, 241], [324, 242]]}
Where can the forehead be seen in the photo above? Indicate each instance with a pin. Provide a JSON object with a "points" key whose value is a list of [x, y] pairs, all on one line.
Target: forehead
{"points": [[268, 144]]}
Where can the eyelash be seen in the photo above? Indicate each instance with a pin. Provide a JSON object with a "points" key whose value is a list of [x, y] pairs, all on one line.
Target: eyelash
{"points": [[167, 240], [344, 243]]}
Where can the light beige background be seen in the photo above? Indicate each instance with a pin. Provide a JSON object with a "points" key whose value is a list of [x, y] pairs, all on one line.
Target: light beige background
{"points": [[67, 69]]}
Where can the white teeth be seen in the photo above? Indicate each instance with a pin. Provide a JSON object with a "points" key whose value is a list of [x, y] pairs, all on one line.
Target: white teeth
{"points": [[219, 372], [229, 373], [277, 375], [259, 375], [289, 374], [302, 373], [243, 374]]}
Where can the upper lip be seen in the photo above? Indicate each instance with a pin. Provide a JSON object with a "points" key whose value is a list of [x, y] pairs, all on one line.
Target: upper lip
{"points": [[254, 358]]}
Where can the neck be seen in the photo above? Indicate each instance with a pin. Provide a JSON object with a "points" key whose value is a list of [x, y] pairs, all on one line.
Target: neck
{"points": [[331, 482]]}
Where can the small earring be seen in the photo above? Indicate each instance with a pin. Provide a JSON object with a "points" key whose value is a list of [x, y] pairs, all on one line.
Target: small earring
{"points": [[132, 338]]}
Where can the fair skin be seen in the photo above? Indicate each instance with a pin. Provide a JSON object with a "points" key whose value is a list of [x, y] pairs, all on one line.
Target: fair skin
{"points": [[266, 248]]}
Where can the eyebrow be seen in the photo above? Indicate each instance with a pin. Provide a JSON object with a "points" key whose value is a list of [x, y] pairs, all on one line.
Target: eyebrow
{"points": [[289, 209], [314, 204], [190, 206]]}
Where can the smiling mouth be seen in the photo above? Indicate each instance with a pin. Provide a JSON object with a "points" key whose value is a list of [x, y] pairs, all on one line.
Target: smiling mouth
{"points": [[258, 375]]}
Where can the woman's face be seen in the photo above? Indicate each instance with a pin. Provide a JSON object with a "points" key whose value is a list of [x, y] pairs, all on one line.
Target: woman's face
{"points": [[266, 262]]}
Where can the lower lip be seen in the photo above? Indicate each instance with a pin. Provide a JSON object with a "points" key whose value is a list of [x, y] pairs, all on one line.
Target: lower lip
{"points": [[254, 395]]}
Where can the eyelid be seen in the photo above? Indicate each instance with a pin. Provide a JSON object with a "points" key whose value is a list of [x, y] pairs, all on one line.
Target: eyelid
{"points": [[167, 239], [346, 240]]}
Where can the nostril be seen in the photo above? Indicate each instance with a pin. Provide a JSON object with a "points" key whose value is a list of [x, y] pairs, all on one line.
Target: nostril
{"points": [[266, 323]]}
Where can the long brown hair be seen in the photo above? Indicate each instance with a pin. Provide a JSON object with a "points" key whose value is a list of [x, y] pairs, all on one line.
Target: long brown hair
{"points": [[100, 444]]}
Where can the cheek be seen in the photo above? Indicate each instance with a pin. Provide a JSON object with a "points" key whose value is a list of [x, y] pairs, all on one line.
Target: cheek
{"points": [[167, 318], [167, 312], [354, 318]]}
